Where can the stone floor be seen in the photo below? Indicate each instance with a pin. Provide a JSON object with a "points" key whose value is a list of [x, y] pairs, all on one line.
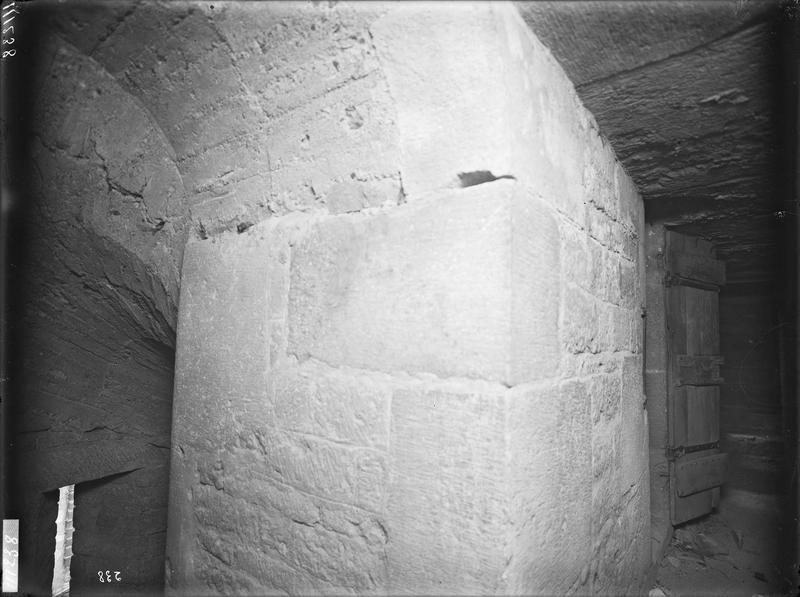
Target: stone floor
{"points": [[735, 551]]}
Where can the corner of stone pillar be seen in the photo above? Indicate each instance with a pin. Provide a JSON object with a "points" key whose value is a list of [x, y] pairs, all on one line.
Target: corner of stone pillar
{"points": [[441, 63], [428, 342]]}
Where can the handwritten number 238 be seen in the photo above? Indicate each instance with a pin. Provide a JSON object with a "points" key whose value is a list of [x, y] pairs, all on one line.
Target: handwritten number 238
{"points": [[107, 577]]}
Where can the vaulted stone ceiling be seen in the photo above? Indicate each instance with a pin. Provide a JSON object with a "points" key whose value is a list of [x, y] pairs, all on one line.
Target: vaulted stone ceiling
{"points": [[690, 95]]}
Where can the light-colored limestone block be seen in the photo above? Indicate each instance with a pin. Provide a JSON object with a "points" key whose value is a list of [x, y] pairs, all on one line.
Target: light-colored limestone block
{"points": [[549, 463], [462, 284], [448, 495]]}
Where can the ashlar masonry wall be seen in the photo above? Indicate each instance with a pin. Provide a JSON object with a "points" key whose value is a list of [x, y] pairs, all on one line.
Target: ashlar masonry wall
{"points": [[440, 396]]}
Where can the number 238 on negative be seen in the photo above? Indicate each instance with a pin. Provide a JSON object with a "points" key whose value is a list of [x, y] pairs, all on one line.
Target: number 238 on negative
{"points": [[9, 12], [106, 576]]}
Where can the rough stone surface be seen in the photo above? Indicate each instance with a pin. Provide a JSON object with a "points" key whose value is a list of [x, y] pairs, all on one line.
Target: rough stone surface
{"points": [[453, 123], [550, 442], [90, 135], [253, 100], [448, 490], [95, 366], [224, 298], [454, 400], [412, 297], [701, 126], [223, 355], [656, 356], [442, 285], [132, 506], [96, 300]]}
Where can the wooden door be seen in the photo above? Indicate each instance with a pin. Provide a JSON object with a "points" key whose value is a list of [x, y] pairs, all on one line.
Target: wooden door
{"points": [[696, 464]]}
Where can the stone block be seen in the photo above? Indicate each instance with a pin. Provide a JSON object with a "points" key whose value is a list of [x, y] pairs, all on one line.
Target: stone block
{"points": [[223, 336], [629, 241], [622, 329], [596, 266], [535, 292], [541, 105], [222, 358], [278, 341], [259, 574], [598, 178], [450, 98], [282, 538], [579, 323], [346, 553], [310, 49], [631, 292], [635, 433], [549, 440], [605, 273], [604, 391], [601, 227], [254, 522], [346, 197], [624, 550], [347, 474], [340, 405], [489, 127], [606, 456], [216, 214], [630, 201], [463, 284], [606, 317], [342, 142], [279, 234], [637, 331], [226, 121], [575, 262], [617, 296], [446, 510]]}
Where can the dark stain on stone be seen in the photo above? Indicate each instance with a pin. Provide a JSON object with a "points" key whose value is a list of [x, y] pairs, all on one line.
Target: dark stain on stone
{"points": [[476, 177]]}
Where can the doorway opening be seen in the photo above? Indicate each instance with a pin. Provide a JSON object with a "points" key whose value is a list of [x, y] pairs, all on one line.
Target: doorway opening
{"points": [[64, 532], [682, 379], [717, 453]]}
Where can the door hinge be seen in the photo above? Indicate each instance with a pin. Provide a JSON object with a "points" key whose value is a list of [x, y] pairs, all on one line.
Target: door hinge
{"points": [[679, 451], [671, 279]]}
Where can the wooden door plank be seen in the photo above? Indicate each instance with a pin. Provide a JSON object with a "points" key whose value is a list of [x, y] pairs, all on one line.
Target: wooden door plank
{"points": [[680, 434], [676, 326], [699, 370], [702, 321], [693, 299], [693, 475], [676, 323], [702, 415], [676, 344], [703, 246], [689, 507], [710, 317], [677, 242], [697, 267]]}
